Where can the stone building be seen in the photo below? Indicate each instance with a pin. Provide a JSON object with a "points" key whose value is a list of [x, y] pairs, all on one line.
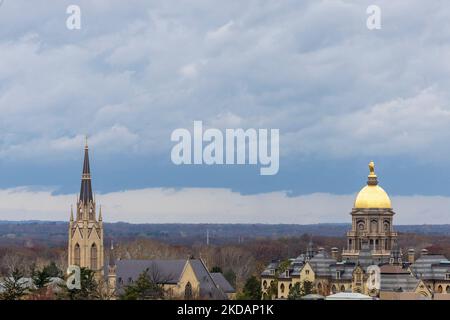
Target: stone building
{"points": [[371, 263], [181, 279], [86, 228]]}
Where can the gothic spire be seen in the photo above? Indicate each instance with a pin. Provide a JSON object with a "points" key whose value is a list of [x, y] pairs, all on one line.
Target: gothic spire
{"points": [[86, 186]]}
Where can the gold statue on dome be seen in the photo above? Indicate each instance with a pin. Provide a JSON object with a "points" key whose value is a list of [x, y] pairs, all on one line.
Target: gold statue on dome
{"points": [[372, 168]]}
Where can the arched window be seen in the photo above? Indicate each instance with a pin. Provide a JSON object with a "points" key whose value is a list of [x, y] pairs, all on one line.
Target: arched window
{"points": [[94, 265], [448, 289], [333, 289], [282, 288], [361, 226], [76, 254], [188, 291], [265, 284], [343, 288], [387, 226], [439, 289]]}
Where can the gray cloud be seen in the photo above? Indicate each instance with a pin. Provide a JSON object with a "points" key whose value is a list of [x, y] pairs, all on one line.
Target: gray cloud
{"points": [[139, 69]]}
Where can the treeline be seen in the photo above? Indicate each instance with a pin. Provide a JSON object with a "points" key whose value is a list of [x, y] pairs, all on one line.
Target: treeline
{"points": [[239, 262]]}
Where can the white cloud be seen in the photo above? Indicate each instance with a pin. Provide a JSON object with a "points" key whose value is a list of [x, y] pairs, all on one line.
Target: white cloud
{"points": [[215, 206]]}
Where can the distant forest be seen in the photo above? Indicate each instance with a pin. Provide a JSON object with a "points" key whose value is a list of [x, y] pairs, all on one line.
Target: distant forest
{"points": [[31, 233], [239, 250]]}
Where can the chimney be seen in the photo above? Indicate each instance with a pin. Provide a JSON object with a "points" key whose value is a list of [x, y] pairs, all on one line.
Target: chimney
{"points": [[424, 252], [334, 253], [411, 254]]}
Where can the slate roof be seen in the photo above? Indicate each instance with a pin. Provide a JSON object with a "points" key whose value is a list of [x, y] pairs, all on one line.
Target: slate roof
{"points": [[167, 272], [345, 270], [86, 185], [208, 287], [321, 262], [270, 269], [397, 279], [433, 266], [222, 283]]}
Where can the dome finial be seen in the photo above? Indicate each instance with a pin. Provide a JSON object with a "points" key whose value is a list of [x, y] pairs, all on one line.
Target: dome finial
{"points": [[372, 178], [372, 168]]}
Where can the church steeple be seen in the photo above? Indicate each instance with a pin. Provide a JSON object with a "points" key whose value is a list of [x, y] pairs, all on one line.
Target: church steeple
{"points": [[86, 184], [86, 232]]}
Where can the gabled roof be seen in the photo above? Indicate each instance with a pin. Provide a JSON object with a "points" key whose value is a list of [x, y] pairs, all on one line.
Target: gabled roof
{"points": [[208, 287], [222, 283], [167, 272]]}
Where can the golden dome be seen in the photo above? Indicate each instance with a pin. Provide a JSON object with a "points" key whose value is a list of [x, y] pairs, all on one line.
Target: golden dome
{"points": [[372, 195]]}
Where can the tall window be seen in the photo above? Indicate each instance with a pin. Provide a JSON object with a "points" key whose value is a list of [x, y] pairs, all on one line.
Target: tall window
{"points": [[77, 254], [188, 291], [93, 257], [374, 226]]}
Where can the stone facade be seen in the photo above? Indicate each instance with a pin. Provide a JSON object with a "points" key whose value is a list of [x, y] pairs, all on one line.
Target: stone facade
{"points": [[86, 229], [371, 257]]}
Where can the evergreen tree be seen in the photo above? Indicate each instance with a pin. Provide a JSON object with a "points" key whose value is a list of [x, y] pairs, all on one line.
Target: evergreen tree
{"points": [[13, 287], [146, 287], [88, 287], [307, 287], [295, 292], [298, 291], [252, 290], [216, 269], [231, 277]]}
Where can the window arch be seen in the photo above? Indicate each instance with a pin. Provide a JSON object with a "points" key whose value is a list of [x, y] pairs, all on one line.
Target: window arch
{"points": [[94, 265], [360, 226], [282, 288], [439, 289], [188, 291], [76, 253], [265, 284], [343, 288], [333, 289]]}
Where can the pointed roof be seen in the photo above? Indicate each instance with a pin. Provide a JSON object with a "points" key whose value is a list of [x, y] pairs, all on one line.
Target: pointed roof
{"points": [[86, 185]]}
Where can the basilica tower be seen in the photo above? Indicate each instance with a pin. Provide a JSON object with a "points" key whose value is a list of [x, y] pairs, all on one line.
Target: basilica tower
{"points": [[372, 222], [86, 230]]}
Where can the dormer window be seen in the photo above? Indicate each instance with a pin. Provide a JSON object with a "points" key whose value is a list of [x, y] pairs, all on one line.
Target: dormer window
{"points": [[338, 274], [447, 276], [272, 272], [287, 273]]}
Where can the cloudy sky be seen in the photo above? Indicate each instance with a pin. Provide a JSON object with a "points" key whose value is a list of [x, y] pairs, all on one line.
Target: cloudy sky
{"points": [[340, 94]]}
